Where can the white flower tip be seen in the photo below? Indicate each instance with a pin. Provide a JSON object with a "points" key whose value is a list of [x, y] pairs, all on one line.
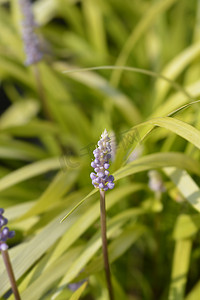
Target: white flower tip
{"points": [[104, 134]]}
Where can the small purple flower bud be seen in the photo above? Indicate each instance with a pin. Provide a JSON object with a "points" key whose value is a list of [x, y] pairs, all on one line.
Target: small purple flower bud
{"points": [[105, 179], [3, 221], [110, 185], [3, 247], [94, 182], [92, 175], [5, 231], [106, 165], [101, 185], [100, 174], [111, 178], [106, 172], [98, 180], [11, 234], [96, 151], [1, 211], [93, 164]]}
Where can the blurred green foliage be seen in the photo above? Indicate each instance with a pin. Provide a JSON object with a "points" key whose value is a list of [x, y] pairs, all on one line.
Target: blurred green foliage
{"points": [[52, 116]]}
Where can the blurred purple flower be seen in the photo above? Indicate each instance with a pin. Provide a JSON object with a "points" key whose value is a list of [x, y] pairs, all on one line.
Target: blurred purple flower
{"points": [[136, 153], [155, 181], [76, 285], [30, 38]]}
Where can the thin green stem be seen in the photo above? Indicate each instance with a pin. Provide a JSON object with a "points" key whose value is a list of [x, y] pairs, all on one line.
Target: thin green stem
{"points": [[175, 85], [11, 275], [104, 244]]}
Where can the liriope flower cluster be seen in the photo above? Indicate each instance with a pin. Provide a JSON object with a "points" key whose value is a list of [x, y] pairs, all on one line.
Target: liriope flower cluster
{"points": [[100, 177], [30, 38], [5, 233]]}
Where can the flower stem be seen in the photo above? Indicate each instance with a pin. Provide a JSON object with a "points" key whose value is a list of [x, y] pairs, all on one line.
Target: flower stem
{"points": [[41, 92], [11, 276], [104, 244]]}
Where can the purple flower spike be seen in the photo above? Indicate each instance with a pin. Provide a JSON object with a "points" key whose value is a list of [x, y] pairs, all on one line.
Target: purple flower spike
{"points": [[5, 233], [101, 164], [30, 38]]}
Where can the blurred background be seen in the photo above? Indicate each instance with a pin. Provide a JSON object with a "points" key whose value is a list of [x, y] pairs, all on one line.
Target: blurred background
{"points": [[73, 70]]}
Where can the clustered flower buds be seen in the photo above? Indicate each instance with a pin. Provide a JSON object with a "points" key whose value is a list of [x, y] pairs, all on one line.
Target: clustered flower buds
{"points": [[101, 178], [5, 233], [30, 38]]}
